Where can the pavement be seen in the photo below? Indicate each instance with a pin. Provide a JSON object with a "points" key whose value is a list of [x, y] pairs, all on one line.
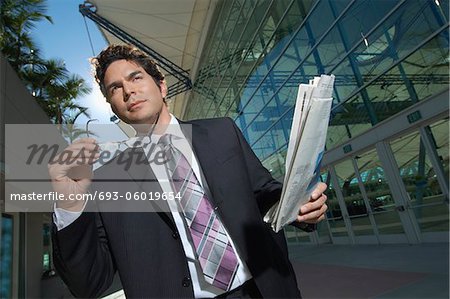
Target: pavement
{"points": [[372, 271]]}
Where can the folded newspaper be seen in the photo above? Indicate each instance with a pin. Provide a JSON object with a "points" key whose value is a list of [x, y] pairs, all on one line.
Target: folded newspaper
{"points": [[305, 150]]}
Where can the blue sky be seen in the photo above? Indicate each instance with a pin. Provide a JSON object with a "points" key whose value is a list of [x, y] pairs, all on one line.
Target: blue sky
{"points": [[67, 39]]}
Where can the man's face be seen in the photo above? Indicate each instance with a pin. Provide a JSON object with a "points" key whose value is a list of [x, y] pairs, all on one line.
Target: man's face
{"points": [[133, 94]]}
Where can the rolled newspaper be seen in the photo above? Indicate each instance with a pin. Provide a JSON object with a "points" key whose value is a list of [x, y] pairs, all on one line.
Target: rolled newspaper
{"points": [[305, 150]]}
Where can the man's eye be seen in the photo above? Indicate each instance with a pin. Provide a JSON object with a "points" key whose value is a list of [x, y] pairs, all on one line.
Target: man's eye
{"points": [[113, 89], [137, 78]]}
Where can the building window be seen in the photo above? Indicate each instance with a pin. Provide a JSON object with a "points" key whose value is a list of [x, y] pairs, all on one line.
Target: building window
{"points": [[6, 256]]}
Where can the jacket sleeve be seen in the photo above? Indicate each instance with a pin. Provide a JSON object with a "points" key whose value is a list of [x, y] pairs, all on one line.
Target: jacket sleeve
{"points": [[266, 189], [82, 257]]}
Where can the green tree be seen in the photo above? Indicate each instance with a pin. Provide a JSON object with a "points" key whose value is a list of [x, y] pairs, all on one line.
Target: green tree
{"points": [[70, 130], [55, 89], [19, 17], [49, 81]]}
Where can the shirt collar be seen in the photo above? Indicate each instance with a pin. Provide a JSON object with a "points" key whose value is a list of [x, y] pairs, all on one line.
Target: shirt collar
{"points": [[115, 148], [173, 129]]}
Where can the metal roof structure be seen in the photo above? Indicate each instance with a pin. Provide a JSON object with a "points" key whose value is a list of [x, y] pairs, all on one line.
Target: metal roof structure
{"points": [[174, 29]]}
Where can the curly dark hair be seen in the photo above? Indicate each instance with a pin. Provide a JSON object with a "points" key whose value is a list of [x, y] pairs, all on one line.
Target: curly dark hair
{"points": [[127, 52]]}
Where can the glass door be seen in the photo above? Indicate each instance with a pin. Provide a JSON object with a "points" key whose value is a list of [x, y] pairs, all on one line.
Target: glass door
{"points": [[427, 198], [337, 215], [382, 208], [356, 202]]}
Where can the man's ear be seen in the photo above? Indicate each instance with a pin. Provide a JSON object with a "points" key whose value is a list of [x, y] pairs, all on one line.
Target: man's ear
{"points": [[163, 88]]}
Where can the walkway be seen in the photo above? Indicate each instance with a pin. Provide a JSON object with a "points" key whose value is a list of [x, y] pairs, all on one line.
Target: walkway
{"points": [[372, 271]]}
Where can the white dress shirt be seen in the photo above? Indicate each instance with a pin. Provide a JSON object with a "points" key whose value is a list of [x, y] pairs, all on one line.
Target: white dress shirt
{"points": [[202, 289]]}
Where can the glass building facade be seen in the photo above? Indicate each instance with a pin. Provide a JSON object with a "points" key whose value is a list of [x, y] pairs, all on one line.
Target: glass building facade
{"points": [[388, 56]]}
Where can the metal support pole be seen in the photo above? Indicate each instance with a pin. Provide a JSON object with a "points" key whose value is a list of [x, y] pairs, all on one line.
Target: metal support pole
{"points": [[184, 82], [426, 137], [365, 197], [399, 193], [342, 205], [358, 76]]}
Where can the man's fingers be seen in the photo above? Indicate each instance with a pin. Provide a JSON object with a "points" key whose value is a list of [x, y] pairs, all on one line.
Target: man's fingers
{"points": [[314, 220], [80, 160], [75, 152], [320, 188], [314, 210], [71, 170], [313, 216], [74, 156], [85, 140], [79, 146], [313, 205], [86, 144]]}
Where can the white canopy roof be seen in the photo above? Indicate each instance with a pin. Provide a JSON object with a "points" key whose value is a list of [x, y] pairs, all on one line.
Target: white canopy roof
{"points": [[176, 29]]}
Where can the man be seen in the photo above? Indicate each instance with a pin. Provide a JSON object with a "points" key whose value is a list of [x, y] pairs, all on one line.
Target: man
{"points": [[162, 255]]}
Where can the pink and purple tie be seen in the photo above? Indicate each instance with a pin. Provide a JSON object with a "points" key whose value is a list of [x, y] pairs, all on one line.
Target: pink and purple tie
{"points": [[214, 251]]}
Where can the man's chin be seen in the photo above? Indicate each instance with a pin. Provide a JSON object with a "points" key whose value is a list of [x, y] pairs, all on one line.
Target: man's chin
{"points": [[140, 119], [140, 123]]}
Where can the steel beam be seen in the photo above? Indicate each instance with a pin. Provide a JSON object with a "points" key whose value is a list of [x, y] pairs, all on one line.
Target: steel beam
{"points": [[184, 82]]}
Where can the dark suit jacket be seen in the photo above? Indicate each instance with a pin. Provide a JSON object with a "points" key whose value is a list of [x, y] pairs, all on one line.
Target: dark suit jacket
{"points": [[145, 247]]}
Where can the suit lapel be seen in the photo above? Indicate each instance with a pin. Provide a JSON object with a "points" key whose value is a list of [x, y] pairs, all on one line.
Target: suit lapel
{"points": [[206, 156], [211, 167], [143, 175]]}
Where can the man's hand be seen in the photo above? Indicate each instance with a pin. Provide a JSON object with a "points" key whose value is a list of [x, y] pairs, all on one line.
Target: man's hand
{"points": [[314, 210], [71, 171]]}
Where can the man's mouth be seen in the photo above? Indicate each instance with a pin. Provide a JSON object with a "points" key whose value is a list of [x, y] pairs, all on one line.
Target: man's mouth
{"points": [[135, 105]]}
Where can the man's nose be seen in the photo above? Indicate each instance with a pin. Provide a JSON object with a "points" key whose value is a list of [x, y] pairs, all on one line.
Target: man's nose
{"points": [[128, 90]]}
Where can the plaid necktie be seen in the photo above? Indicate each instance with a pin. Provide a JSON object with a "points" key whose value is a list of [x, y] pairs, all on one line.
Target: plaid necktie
{"points": [[214, 251]]}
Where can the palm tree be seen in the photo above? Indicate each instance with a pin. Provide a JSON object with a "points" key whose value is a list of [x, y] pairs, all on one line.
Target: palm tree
{"points": [[55, 89], [40, 75], [48, 81], [19, 17], [69, 130], [61, 97]]}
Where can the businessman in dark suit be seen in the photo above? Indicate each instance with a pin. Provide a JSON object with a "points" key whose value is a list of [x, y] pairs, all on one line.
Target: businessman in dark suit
{"points": [[161, 255]]}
